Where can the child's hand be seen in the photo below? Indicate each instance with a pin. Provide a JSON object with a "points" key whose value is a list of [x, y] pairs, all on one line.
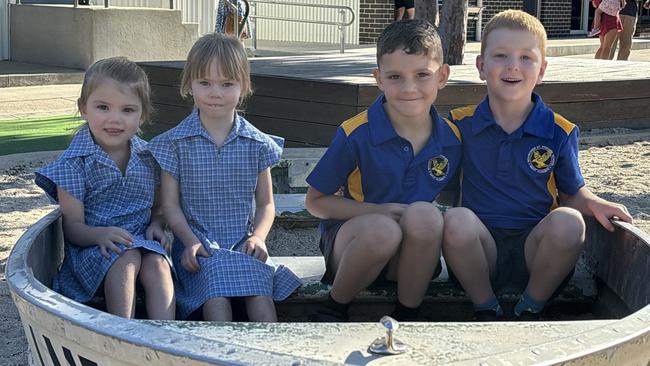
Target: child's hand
{"points": [[255, 247], [156, 232], [604, 210], [392, 210], [188, 259], [109, 237]]}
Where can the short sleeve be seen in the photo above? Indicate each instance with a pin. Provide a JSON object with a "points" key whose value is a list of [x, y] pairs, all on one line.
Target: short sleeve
{"points": [[332, 170], [568, 176], [165, 153], [271, 152], [147, 158], [68, 174]]}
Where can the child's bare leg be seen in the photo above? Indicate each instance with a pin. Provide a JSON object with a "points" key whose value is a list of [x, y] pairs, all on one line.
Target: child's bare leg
{"points": [[470, 251], [552, 249], [410, 13], [217, 309], [156, 278], [597, 16], [119, 284], [419, 252], [260, 309], [363, 246]]}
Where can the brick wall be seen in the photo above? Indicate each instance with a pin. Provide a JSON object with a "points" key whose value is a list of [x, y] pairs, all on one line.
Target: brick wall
{"points": [[374, 16]]}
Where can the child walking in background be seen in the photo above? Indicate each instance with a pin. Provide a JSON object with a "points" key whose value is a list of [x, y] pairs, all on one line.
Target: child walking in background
{"points": [[609, 7], [105, 184], [214, 163]]}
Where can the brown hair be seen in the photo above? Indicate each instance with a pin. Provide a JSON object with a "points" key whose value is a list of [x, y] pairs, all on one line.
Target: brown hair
{"points": [[123, 71], [516, 20], [227, 51], [414, 36]]}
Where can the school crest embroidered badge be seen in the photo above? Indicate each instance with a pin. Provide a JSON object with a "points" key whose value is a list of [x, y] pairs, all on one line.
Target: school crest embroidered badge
{"points": [[541, 159]]}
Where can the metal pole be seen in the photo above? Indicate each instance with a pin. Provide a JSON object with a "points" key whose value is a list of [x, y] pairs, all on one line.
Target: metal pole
{"points": [[76, 3], [106, 3], [171, 4], [342, 30], [253, 24], [479, 21]]}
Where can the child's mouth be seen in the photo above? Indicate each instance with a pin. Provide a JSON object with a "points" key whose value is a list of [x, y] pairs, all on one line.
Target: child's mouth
{"points": [[113, 131], [511, 81]]}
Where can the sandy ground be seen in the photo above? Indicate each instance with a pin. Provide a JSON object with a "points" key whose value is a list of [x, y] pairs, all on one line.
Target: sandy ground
{"points": [[615, 162]]}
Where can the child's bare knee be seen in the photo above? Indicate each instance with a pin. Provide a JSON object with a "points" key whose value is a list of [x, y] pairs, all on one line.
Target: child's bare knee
{"points": [[380, 228], [459, 223], [130, 257], [567, 227], [155, 269], [422, 220]]}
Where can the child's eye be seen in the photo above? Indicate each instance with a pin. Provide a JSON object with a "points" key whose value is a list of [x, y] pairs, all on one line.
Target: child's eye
{"points": [[393, 77], [102, 107], [203, 83], [423, 75], [500, 55], [129, 110], [526, 58], [228, 84]]}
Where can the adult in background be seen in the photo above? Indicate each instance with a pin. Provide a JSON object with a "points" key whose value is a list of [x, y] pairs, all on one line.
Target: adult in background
{"points": [[628, 15], [404, 9]]}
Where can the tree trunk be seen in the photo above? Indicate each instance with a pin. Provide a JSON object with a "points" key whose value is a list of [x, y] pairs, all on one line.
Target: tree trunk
{"points": [[428, 10], [453, 30]]}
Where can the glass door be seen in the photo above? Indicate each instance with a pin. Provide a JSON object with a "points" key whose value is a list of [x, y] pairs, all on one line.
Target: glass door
{"points": [[580, 12]]}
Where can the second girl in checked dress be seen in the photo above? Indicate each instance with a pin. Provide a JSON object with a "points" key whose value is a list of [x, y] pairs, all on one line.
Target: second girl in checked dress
{"points": [[214, 164]]}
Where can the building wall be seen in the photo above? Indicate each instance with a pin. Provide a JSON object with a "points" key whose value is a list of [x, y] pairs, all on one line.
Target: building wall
{"points": [[374, 15]]}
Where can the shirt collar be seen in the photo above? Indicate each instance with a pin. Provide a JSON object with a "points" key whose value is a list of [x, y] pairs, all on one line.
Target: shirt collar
{"points": [[539, 121], [191, 126], [382, 130]]}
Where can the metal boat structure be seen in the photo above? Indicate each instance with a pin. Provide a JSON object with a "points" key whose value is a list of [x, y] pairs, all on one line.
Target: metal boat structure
{"points": [[63, 332]]}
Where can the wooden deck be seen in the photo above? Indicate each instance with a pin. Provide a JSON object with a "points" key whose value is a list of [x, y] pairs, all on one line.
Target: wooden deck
{"points": [[304, 98]]}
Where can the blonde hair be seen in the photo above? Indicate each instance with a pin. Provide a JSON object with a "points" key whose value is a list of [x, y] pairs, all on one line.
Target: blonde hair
{"points": [[123, 71], [230, 56], [516, 20]]}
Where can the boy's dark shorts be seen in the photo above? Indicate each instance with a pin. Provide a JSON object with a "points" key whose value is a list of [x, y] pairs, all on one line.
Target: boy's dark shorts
{"points": [[511, 273], [326, 246], [408, 4]]}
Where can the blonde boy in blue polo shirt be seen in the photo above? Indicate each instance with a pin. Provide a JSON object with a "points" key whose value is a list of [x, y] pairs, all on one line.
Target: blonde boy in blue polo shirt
{"points": [[391, 162], [520, 160]]}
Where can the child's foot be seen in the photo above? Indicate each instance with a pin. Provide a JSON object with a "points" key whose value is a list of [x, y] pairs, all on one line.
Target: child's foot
{"points": [[487, 316], [594, 32]]}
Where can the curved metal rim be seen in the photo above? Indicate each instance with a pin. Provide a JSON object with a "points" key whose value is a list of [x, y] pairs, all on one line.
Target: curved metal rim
{"points": [[23, 284]]}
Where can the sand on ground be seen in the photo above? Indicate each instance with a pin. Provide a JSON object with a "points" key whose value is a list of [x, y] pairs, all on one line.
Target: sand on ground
{"points": [[615, 163]]}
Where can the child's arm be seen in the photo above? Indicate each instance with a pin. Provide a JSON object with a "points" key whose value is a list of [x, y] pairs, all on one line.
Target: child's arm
{"points": [[327, 206], [264, 216], [589, 204], [170, 193], [78, 233], [156, 229]]}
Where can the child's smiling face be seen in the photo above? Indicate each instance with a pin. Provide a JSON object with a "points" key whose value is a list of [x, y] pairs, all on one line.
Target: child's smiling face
{"points": [[114, 113], [410, 83], [512, 65]]}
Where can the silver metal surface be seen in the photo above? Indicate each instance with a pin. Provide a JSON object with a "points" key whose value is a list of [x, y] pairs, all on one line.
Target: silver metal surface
{"points": [[388, 345]]}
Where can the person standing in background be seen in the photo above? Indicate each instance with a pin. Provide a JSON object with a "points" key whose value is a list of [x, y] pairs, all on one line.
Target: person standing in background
{"points": [[628, 15], [404, 9]]}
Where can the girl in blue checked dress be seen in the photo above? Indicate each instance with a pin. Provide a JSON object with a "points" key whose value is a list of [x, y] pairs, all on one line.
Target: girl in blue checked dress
{"points": [[214, 164], [105, 184]]}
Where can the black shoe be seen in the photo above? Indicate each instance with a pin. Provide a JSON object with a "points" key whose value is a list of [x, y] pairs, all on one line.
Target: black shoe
{"points": [[527, 316], [326, 315], [486, 316]]}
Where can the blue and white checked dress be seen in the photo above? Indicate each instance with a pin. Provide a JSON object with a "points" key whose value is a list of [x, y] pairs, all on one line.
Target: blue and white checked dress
{"points": [[217, 189], [87, 173]]}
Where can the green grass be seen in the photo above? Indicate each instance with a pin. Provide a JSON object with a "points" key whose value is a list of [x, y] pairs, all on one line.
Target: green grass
{"points": [[37, 134]]}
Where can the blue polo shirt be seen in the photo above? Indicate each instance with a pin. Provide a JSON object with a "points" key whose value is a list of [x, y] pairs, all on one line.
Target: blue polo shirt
{"points": [[374, 164], [511, 180]]}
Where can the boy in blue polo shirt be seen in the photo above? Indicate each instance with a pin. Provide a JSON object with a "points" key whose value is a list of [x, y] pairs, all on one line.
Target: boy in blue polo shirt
{"points": [[389, 163], [520, 161]]}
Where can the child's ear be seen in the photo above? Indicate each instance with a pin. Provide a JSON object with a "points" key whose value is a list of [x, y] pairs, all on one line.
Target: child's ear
{"points": [[82, 109], [479, 66], [377, 76], [443, 75], [542, 70]]}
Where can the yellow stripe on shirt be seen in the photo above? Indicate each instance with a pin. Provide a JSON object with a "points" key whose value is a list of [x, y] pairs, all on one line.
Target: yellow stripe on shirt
{"points": [[350, 125], [354, 185]]}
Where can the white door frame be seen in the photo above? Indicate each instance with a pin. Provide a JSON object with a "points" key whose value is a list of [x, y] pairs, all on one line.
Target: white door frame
{"points": [[584, 18]]}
